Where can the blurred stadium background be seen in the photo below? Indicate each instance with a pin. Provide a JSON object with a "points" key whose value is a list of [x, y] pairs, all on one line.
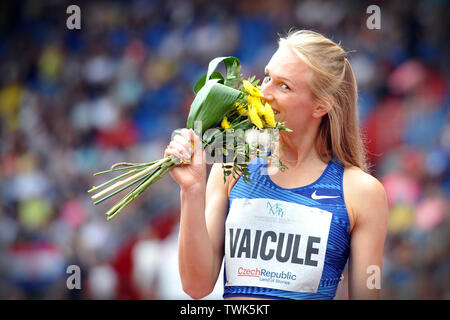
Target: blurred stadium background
{"points": [[72, 102]]}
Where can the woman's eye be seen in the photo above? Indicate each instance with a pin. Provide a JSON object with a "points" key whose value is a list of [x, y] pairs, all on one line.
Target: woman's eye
{"points": [[266, 78], [285, 86]]}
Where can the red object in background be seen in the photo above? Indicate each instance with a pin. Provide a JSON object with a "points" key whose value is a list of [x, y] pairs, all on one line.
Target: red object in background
{"points": [[434, 89], [412, 160], [9, 164], [164, 223], [34, 264], [136, 51], [123, 264], [384, 128], [123, 135]]}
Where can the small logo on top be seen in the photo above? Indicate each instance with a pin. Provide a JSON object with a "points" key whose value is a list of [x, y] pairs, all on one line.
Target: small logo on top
{"points": [[275, 209], [317, 197]]}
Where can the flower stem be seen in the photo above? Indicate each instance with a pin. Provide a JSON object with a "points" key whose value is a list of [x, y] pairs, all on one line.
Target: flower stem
{"points": [[133, 177], [113, 168], [125, 187], [114, 180], [118, 205], [140, 189]]}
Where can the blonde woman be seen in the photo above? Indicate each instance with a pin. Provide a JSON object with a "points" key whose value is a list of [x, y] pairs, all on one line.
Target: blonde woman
{"points": [[289, 234]]}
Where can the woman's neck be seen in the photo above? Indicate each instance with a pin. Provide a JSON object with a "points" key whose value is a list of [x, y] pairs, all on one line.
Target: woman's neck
{"points": [[298, 153]]}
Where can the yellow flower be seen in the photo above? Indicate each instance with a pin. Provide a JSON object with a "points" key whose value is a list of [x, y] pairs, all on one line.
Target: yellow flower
{"points": [[269, 116], [252, 90], [240, 108], [225, 124], [255, 119], [256, 102]]}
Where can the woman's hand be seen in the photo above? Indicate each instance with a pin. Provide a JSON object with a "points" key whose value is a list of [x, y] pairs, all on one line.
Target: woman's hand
{"points": [[187, 147]]}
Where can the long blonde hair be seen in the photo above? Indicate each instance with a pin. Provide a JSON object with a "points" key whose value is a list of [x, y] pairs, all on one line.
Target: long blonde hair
{"points": [[339, 132]]}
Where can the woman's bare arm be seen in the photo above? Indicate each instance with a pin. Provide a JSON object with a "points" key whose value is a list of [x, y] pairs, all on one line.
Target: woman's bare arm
{"points": [[368, 204], [203, 212]]}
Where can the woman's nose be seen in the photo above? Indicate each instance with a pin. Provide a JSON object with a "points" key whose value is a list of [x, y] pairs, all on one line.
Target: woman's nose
{"points": [[266, 91]]}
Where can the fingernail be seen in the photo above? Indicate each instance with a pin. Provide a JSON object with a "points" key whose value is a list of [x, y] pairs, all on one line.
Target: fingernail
{"points": [[191, 150], [187, 156]]}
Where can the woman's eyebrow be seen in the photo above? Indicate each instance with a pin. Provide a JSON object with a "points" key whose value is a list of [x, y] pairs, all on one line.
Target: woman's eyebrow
{"points": [[266, 71]]}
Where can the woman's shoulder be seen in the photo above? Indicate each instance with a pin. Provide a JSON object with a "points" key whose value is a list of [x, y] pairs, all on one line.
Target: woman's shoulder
{"points": [[360, 182], [364, 194]]}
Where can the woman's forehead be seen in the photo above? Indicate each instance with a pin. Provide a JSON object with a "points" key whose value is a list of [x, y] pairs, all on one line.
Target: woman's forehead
{"points": [[285, 63]]}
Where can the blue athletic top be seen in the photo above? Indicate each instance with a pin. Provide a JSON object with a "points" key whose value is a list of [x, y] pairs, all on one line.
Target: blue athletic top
{"points": [[286, 243]]}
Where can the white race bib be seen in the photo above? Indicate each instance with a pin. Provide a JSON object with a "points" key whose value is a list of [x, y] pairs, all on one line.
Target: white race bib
{"points": [[275, 244]]}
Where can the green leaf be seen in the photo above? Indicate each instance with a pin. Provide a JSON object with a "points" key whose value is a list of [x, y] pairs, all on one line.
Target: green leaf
{"points": [[232, 68], [200, 83], [211, 104], [231, 63]]}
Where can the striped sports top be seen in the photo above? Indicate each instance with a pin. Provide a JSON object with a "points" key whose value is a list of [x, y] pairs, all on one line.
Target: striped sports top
{"points": [[286, 243]]}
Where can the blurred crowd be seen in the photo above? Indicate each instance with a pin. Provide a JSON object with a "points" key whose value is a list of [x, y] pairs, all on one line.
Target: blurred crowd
{"points": [[73, 102]]}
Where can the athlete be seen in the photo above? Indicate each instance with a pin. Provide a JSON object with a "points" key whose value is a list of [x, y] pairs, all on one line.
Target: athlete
{"points": [[288, 234]]}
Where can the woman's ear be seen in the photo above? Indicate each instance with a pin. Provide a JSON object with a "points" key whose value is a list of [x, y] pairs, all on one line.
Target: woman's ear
{"points": [[323, 107]]}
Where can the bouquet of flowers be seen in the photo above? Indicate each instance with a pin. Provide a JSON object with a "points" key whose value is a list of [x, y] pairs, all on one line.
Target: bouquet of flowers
{"points": [[229, 117]]}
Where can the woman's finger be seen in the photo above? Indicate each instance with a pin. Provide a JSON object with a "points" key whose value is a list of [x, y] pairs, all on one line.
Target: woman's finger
{"points": [[172, 152], [184, 142], [183, 152]]}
